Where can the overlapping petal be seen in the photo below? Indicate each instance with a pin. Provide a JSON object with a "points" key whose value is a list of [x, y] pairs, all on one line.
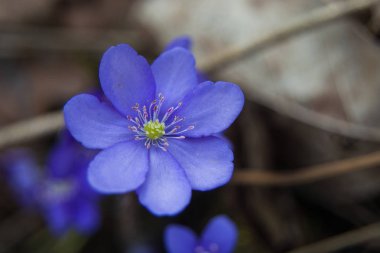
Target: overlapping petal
{"points": [[211, 108], [166, 190], [180, 239], [175, 75], [95, 124], [221, 231], [185, 43], [180, 41], [207, 161], [120, 168], [126, 78]]}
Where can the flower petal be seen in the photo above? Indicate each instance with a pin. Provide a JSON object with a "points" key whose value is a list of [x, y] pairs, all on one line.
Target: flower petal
{"points": [[58, 218], [60, 160], [221, 231], [180, 239], [67, 155], [23, 175], [166, 190], [185, 43], [120, 168], [126, 78], [86, 215], [95, 124], [207, 161], [175, 75], [181, 41], [211, 108]]}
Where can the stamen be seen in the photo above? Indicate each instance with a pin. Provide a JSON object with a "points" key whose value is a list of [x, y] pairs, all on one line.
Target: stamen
{"points": [[149, 128], [174, 130], [175, 121], [187, 129], [148, 143], [178, 105], [132, 128], [145, 114], [176, 137], [135, 107]]}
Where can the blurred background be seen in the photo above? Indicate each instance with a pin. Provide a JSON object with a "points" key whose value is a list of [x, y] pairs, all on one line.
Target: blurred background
{"points": [[312, 98]]}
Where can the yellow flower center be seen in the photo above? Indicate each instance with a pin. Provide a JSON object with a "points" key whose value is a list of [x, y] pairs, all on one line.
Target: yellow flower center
{"points": [[154, 129]]}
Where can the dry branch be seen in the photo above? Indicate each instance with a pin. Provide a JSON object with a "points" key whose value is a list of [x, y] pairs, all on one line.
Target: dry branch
{"points": [[312, 19], [347, 239], [31, 129], [306, 175]]}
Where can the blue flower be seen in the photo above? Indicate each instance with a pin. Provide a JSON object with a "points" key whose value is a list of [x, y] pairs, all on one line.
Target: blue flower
{"points": [[23, 176], [62, 194], [181, 41], [219, 236], [157, 132], [66, 198]]}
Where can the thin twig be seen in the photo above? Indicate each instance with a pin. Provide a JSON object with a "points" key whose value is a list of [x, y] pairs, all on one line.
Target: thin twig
{"points": [[347, 239], [31, 129], [45, 125], [16, 39], [306, 175], [293, 110], [312, 19]]}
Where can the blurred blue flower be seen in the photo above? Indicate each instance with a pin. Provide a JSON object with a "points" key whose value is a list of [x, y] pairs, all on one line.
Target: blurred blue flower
{"points": [[62, 194], [219, 236], [157, 130], [23, 176], [67, 199]]}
